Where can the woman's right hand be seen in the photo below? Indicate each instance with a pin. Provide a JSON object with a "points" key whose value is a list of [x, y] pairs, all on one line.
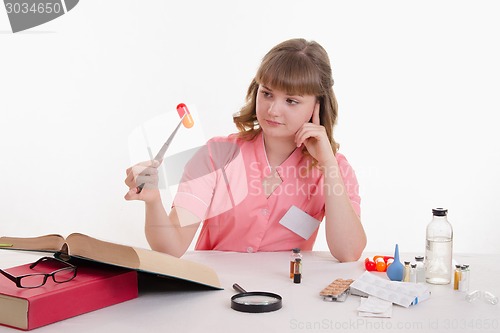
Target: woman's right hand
{"points": [[144, 174]]}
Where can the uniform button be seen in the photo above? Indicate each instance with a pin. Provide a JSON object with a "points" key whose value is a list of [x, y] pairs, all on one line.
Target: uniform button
{"points": [[264, 211], [249, 249]]}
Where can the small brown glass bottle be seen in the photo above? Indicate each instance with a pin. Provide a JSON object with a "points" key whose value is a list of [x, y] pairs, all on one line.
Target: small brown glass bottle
{"points": [[295, 254], [297, 271], [457, 277]]}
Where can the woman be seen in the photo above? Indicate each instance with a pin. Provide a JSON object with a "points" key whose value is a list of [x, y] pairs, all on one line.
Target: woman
{"points": [[282, 159]]}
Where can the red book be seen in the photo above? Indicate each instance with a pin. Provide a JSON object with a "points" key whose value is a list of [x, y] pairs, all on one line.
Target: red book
{"points": [[94, 287]]}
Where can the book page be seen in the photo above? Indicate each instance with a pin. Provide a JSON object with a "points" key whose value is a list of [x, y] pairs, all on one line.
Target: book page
{"points": [[49, 243], [141, 259], [164, 264], [14, 311], [90, 248]]}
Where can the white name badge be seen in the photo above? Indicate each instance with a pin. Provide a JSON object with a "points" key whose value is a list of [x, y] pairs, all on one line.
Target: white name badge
{"points": [[299, 222]]}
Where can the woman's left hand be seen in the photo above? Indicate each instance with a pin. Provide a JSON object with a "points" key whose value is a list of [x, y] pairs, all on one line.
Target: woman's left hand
{"points": [[314, 137]]}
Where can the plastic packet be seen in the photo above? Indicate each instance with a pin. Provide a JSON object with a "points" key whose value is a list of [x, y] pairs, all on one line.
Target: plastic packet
{"points": [[337, 291]]}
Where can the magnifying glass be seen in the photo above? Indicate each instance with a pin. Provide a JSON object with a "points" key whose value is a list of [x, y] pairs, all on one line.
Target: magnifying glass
{"points": [[255, 301]]}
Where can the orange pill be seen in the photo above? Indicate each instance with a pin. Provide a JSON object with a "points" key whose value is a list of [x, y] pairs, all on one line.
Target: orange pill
{"points": [[183, 111], [380, 264]]}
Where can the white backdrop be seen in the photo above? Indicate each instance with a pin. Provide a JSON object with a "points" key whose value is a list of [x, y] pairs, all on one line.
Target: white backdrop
{"points": [[417, 84]]}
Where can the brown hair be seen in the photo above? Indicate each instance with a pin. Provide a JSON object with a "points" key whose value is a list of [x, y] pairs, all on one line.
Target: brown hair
{"points": [[298, 67]]}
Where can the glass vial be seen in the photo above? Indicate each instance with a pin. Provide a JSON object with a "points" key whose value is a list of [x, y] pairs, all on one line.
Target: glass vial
{"points": [[406, 272], [419, 260], [438, 248], [297, 270], [457, 277], [295, 254], [413, 273], [464, 278]]}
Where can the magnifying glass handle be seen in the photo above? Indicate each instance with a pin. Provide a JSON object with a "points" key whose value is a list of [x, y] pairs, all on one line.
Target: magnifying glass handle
{"points": [[238, 288]]}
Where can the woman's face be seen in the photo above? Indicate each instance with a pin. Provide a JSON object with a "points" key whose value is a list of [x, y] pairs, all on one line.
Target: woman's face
{"points": [[281, 115]]}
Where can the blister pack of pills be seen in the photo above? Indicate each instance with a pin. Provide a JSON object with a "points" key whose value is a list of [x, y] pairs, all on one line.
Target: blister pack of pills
{"points": [[337, 291]]}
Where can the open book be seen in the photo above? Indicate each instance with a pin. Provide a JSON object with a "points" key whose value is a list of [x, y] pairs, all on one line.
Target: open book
{"points": [[85, 247]]}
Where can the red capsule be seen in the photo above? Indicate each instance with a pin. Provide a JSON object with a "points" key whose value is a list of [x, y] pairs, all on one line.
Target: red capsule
{"points": [[187, 121], [370, 265]]}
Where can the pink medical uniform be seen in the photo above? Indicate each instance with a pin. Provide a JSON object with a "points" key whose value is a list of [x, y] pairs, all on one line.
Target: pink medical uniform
{"points": [[222, 185]]}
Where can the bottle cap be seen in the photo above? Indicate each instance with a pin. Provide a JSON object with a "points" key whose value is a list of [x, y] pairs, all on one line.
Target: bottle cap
{"points": [[413, 265], [296, 250], [439, 212], [419, 258]]}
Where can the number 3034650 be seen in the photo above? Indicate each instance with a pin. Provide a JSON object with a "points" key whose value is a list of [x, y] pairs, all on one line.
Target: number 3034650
{"points": [[35, 8]]}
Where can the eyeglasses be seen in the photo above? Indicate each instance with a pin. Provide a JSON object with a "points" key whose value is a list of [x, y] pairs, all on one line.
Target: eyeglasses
{"points": [[36, 280]]}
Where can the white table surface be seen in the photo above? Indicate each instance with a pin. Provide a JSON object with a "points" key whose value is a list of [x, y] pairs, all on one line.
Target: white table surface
{"points": [[303, 309]]}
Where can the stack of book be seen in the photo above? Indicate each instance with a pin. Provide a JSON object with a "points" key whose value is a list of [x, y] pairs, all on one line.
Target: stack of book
{"points": [[107, 274]]}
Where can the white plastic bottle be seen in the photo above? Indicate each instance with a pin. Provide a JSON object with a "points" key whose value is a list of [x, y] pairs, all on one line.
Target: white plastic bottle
{"points": [[438, 248]]}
